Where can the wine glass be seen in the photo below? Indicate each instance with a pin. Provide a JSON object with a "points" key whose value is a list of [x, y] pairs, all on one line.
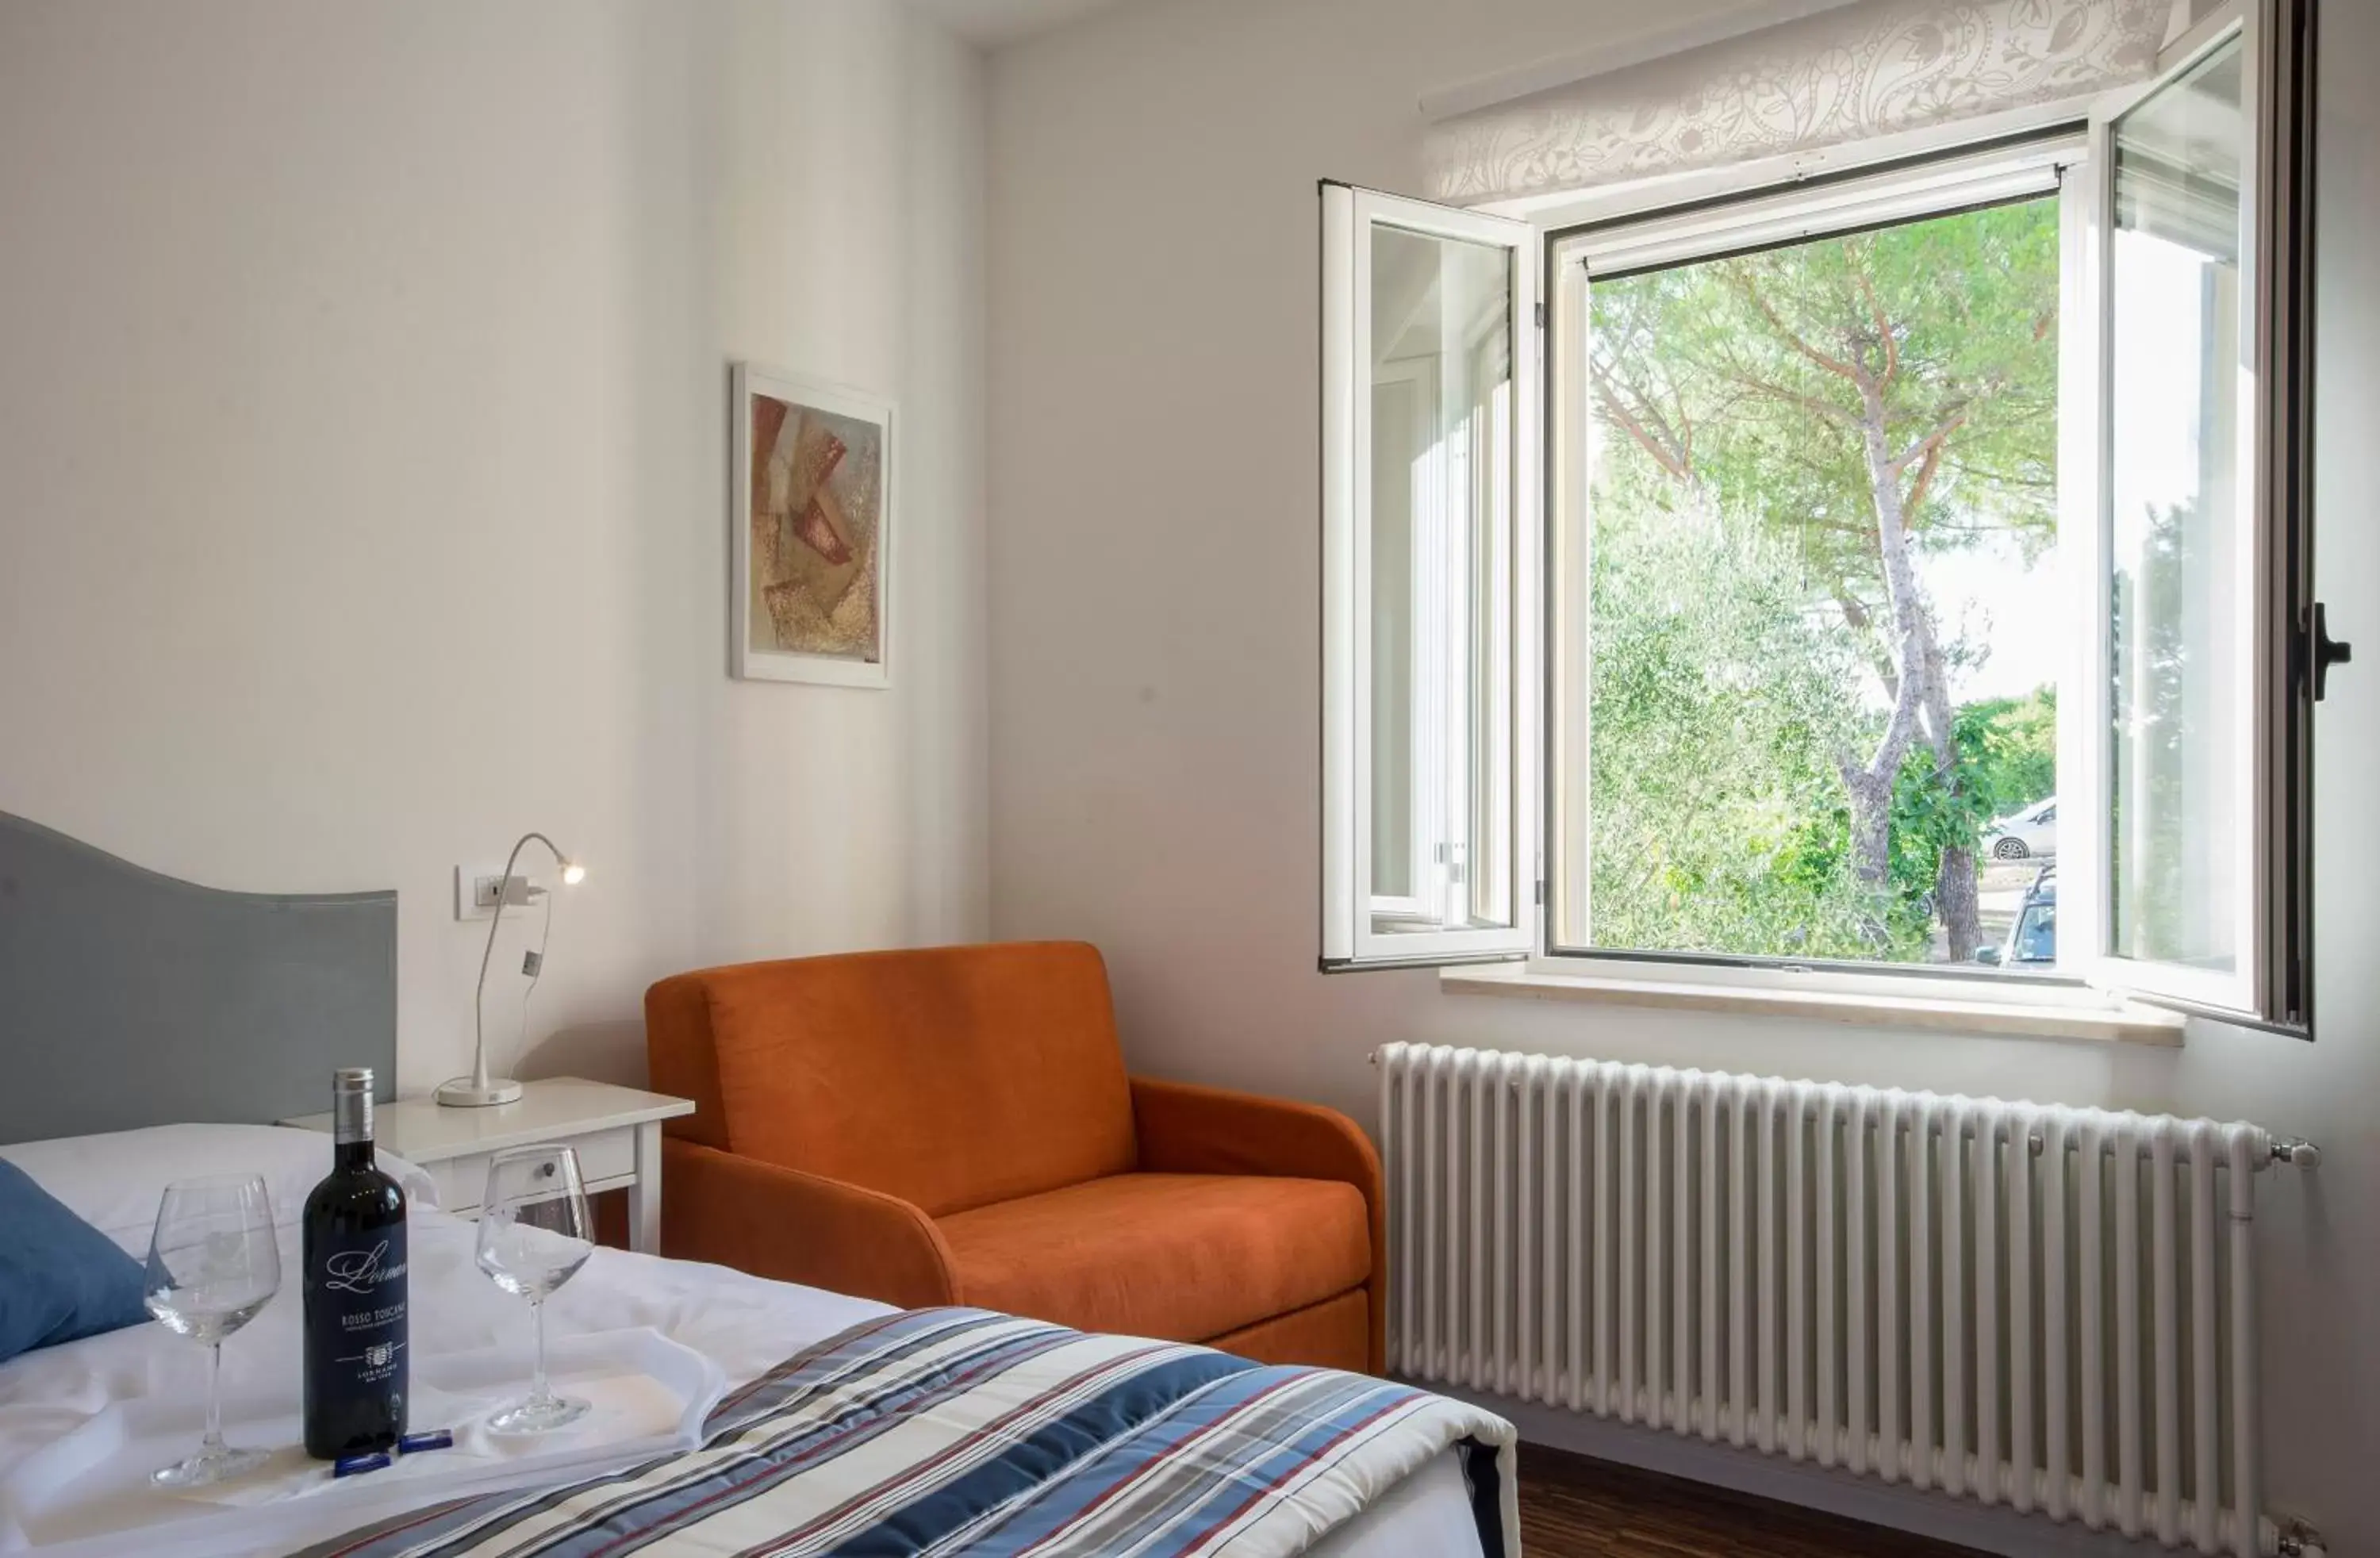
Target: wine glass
{"points": [[534, 1235], [213, 1264]]}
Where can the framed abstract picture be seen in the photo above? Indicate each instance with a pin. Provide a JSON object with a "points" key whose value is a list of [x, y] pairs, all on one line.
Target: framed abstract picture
{"points": [[811, 533]]}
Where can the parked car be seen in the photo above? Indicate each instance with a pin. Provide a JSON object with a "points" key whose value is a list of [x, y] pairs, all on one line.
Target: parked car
{"points": [[2033, 935], [2032, 832]]}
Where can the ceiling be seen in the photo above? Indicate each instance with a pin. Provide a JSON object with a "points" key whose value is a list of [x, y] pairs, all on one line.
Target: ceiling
{"points": [[993, 23]]}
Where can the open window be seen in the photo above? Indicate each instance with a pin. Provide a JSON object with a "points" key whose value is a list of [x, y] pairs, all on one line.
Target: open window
{"points": [[2196, 744], [1925, 566], [1431, 536], [1810, 645]]}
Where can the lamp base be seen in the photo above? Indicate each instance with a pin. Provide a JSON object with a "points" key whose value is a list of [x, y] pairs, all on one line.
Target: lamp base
{"points": [[460, 1093]]}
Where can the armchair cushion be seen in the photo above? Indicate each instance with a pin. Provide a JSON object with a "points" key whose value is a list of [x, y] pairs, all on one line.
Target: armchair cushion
{"points": [[1182, 1257]]}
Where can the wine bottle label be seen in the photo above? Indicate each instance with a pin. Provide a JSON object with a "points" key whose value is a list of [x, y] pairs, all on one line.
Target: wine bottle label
{"points": [[359, 1326]]}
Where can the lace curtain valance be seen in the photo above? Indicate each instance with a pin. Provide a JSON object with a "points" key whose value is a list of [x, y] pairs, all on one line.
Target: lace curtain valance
{"points": [[1869, 69]]}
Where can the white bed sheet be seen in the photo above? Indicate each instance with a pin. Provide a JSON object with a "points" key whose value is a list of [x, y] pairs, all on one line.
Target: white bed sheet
{"points": [[747, 1324]]}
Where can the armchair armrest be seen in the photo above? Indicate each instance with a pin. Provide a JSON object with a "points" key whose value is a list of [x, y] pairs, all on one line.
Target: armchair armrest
{"points": [[792, 1226], [1188, 1129]]}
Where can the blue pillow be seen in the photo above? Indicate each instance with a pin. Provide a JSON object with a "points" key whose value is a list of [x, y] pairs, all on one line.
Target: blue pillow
{"points": [[60, 1278]]}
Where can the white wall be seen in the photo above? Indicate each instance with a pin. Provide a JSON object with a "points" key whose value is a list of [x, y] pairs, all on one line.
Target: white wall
{"points": [[1155, 580], [363, 457]]}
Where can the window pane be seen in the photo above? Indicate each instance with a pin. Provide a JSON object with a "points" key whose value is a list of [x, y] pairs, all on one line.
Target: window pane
{"points": [[2175, 380], [1823, 642], [1440, 630]]}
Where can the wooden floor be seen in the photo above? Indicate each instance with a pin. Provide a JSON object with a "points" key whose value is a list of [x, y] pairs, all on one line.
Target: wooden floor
{"points": [[1572, 1507]]}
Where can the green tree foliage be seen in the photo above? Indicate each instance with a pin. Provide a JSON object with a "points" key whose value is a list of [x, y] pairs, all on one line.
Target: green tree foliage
{"points": [[1834, 410], [2005, 758], [2013, 758], [1718, 700]]}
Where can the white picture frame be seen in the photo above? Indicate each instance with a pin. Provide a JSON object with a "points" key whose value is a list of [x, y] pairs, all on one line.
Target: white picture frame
{"points": [[823, 532]]}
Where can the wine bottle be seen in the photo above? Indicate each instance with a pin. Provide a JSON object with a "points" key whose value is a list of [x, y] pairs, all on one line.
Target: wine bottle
{"points": [[355, 1319]]}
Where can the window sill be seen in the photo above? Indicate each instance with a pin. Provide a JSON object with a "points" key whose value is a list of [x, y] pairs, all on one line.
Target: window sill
{"points": [[2086, 1021]]}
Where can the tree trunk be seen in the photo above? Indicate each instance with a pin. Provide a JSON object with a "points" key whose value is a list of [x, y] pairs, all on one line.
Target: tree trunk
{"points": [[1871, 796], [1954, 881], [1955, 901], [1871, 785]]}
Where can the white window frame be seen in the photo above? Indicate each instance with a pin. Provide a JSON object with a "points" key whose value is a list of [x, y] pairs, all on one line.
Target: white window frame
{"points": [[1349, 937], [2041, 164]]}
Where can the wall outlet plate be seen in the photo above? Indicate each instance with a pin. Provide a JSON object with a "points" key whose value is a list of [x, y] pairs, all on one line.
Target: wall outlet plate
{"points": [[475, 890]]}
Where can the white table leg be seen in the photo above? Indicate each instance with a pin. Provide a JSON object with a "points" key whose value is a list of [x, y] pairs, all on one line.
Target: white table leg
{"points": [[645, 1196]]}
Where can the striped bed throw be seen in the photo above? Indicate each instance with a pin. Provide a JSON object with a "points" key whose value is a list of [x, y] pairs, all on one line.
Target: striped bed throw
{"points": [[954, 1431]]}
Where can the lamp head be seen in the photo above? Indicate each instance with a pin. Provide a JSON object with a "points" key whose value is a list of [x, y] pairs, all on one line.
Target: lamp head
{"points": [[573, 873]]}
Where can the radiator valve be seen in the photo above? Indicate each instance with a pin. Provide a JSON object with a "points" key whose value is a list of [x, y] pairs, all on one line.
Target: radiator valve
{"points": [[2296, 1152], [2299, 1540]]}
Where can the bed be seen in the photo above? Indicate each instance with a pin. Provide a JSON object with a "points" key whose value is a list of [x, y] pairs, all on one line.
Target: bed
{"points": [[268, 994]]}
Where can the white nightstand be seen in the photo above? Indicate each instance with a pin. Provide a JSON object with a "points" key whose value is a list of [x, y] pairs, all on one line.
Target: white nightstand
{"points": [[616, 1130]]}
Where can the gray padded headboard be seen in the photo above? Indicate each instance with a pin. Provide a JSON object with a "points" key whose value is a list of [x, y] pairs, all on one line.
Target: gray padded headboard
{"points": [[127, 998]]}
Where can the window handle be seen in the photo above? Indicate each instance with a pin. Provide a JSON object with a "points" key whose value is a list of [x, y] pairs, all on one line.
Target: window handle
{"points": [[2327, 651]]}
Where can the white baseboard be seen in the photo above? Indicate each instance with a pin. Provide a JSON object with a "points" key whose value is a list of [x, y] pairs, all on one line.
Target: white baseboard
{"points": [[1899, 1507]]}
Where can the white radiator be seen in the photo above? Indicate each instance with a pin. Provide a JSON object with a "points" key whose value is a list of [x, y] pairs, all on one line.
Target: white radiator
{"points": [[2048, 1309]]}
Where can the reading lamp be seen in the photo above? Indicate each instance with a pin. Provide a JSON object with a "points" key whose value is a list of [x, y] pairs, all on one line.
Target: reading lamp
{"points": [[479, 1089]]}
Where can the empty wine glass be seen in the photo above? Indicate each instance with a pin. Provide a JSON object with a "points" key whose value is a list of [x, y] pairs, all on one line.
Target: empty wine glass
{"points": [[213, 1264], [534, 1235]]}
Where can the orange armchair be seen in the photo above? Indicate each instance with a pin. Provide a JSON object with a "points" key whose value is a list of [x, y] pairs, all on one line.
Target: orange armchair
{"points": [[955, 1126]]}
